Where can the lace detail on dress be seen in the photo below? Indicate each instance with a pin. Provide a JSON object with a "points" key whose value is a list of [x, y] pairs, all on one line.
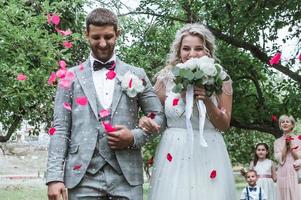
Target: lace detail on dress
{"points": [[227, 87], [165, 76]]}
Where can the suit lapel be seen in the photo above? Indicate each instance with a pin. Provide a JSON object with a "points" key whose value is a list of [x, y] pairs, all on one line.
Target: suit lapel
{"points": [[86, 81], [120, 70]]}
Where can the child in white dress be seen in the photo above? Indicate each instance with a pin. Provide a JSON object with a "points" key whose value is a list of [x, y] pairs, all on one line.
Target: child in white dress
{"points": [[252, 191], [265, 170]]}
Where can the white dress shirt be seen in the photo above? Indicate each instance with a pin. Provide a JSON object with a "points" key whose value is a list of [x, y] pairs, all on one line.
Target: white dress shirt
{"points": [[253, 195], [104, 87]]}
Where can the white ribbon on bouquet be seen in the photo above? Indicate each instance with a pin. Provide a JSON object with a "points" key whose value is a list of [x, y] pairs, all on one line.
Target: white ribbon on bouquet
{"points": [[202, 117]]}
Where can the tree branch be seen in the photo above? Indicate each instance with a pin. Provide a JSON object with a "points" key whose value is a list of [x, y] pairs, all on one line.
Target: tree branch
{"points": [[16, 121]]}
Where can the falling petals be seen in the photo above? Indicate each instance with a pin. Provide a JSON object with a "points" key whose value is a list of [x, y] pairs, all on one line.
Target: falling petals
{"points": [[51, 78], [67, 44], [81, 100], [55, 19], [51, 131], [67, 106], [151, 115], [65, 83], [213, 174], [77, 167], [108, 127], [111, 74], [299, 57], [169, 157], [274, 118], [275, 59], [62, 64], [104, 113], [175, 101], [21, 77], [61, 73], [299, 137]]}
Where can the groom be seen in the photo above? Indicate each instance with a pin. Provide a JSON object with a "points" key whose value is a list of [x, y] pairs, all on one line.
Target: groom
{"points": [[95, 150]]}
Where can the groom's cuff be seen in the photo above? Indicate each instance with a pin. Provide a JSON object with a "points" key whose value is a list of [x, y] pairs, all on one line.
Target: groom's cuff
{"points": [[140, 138]]}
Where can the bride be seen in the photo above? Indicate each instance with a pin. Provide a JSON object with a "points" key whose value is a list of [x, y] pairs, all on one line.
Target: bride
{"points": [[206, 173]]}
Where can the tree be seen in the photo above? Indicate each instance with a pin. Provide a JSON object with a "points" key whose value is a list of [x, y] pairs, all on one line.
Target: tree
{"points": [[243, 30], [32, 47]]}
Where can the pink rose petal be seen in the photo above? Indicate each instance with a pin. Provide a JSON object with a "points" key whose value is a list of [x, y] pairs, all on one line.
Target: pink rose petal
{"points": [[62, 64], [131, 83], [81, 67], [299, 57], [55, 19], [275, 59], [67, 44], [104, 113], [65, 83], [111, 74], [61, 73], [175, 101], [108, 127], [67, 106], [213, 174], [21, 77], [51, 131], [77, 167], [51, 78], [169, 157], [81, 100]]}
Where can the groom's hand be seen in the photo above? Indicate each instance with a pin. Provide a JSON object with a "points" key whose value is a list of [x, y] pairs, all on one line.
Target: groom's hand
{"points": [[56, 190], [121, 138]]}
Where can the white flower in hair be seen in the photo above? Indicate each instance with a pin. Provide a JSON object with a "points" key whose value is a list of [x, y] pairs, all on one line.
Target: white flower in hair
{"points": [[132, 84]]}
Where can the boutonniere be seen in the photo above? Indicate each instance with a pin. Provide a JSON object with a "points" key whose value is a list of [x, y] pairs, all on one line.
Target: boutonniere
{"points": [[132, 84]]}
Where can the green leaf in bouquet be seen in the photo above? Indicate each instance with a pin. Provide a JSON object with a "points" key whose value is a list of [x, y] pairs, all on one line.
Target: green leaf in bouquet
{"points": [[175, 71], [198, 75], [178, 88], [218, 68], [187, 74]]}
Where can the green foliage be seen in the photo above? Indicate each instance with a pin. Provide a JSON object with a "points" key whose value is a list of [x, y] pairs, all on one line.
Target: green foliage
{"points": [[31, 46]]}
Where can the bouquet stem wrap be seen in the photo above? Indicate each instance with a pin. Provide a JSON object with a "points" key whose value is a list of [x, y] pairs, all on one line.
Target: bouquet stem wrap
{"points": [[202, 116]]}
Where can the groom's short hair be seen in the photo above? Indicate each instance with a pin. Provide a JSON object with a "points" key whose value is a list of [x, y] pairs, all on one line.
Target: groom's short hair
{"points": [[102, 17]]}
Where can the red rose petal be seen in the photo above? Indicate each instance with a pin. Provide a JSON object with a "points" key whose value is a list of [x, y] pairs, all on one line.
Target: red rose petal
{"points": [[150, 161], [81, 100], [289, 138], [51, 131], [175, 101], [275, 59], [169, 157], [213, 174], [274, 118], [151, 115], [131, 83], [77, 167], [108, 127], [111, 74], [299, 57], [299, 137]]}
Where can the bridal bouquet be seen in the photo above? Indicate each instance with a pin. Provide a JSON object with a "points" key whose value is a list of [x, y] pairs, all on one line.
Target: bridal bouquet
{"points": [[199, 72]]}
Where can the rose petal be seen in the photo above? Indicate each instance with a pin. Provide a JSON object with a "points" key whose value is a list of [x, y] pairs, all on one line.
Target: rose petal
{"points": [[51, 131], [55, 19], [131, 83], [213, 174], [77, 167], [81, 100], [289, 138], [70, 75], [169, 157], [104, 113], [67, 44], [51, 78], [175, 101], [21, 77], [108, 127], [62, 64], [61, 73], [65, 83], [111, 74], [275, 59], [150, 161], [299, 57], [67, 105], [299, 137], [274, 118]]}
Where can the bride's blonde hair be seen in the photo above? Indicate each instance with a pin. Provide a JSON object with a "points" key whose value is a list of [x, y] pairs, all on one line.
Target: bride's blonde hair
{"points": [[191, 29]]}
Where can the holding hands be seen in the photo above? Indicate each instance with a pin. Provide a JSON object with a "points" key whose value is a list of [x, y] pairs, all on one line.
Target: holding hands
{"points": [[148, 125]]}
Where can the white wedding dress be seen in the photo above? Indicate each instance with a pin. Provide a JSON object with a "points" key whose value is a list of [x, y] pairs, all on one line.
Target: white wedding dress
{"points": [[176, 175]]}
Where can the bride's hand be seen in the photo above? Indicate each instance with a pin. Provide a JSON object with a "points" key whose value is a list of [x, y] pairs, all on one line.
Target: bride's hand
{"points": [[200, 93], [148, 125]]}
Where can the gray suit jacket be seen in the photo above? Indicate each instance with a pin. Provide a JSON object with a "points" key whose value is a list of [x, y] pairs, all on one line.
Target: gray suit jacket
{"points": [[72, 146]]}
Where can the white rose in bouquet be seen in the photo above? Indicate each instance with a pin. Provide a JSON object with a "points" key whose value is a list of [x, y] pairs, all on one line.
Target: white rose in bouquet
{"points": [[131, 84]]}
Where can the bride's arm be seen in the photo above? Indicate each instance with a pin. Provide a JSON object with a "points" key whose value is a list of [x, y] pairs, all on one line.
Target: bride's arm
{"points": [[160, 90], [220, 116]]}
